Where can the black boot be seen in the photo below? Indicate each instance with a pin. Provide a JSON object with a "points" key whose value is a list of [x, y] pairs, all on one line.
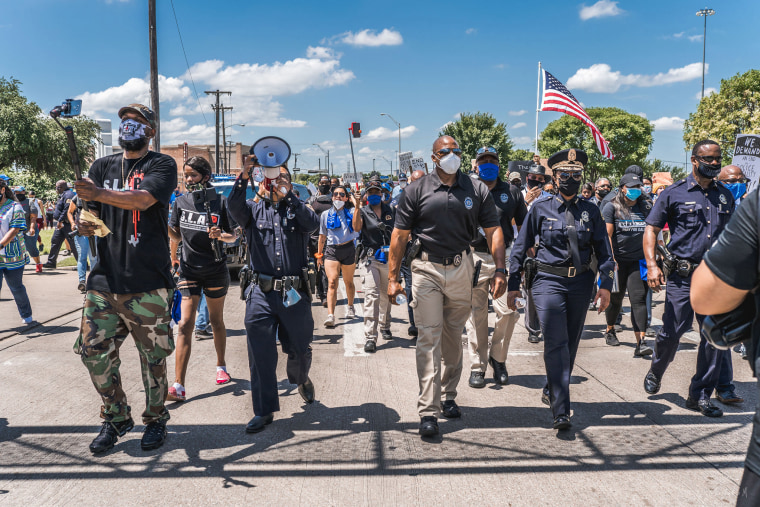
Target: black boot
{"points": [[109, 435], [154, 435]]}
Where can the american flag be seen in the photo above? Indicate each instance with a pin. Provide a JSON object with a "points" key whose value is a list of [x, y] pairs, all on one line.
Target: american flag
{"points": [[558, 98]]}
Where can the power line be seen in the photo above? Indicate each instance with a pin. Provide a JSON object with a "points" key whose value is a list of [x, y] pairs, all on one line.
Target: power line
{"points": [[187, 63]]}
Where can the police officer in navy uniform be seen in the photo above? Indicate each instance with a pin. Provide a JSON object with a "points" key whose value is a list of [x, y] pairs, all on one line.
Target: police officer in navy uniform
{"points": [[696, 210], [569, 230], [277, 228]]}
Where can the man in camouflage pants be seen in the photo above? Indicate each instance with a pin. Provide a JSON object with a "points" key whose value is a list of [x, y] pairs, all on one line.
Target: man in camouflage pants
{"points": [[130, 288]]}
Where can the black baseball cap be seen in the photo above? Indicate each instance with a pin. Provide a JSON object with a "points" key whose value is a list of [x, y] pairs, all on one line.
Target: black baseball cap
{"points": [[630, 180], [142, 110]]}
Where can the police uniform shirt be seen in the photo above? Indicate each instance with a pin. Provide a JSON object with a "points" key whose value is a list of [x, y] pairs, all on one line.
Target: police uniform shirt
{"points": [[510, 204], [694, 215], [371, 236], [546, 219], [277, 233], [62, 206], [445, 218]]}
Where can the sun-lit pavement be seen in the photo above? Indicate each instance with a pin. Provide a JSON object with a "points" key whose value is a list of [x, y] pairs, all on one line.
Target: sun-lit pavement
{"points": [[358, 444]]}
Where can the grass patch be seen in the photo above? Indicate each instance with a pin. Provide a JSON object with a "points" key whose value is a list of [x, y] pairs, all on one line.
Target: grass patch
{"points": [[47, 235]]}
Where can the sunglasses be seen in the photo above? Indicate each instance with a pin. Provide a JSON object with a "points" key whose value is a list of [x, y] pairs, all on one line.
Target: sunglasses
{"points": [[486, 149], [566, 175], [711, 160], [735, 180], [446, 151], [339, 194]]}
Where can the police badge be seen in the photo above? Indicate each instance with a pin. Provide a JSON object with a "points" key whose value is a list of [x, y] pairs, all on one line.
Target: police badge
{"points": [[723, 199], [584, 216]]}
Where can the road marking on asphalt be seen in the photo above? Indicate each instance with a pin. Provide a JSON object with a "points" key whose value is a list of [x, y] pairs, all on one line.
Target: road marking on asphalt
{"points": [[353, 330]]}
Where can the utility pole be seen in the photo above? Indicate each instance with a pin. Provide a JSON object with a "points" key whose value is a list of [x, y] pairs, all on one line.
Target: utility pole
{"points": [[226, 168], [295, 160], [154, 73], [216, 110], [704, 12]]}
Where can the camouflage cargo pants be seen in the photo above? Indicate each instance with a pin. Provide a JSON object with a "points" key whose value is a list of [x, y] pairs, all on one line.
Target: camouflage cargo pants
{"points": [[107, 319]]}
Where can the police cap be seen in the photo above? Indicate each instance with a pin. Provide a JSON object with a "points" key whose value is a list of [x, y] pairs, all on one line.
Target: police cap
{"points": [[569, 159], [537, 169]]}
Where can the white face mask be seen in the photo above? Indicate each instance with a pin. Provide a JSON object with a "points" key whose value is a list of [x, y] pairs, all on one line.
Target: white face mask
{"points": [[450, 163], [339, 204]]}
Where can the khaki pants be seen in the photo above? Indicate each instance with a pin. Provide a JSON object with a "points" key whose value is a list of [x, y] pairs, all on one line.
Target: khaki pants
{"points": [[477, 324], [377, 307], [442, 302]]}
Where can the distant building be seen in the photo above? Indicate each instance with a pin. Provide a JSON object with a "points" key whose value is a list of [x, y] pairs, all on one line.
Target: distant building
{"points": [[182, 152], [104, 146]]}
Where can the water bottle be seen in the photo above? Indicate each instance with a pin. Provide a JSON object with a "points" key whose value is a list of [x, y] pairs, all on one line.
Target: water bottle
{"points": [[400, 299], [520, 303]]}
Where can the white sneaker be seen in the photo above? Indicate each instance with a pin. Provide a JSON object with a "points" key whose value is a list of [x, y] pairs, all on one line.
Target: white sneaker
{"points": [[28, 320], [330, 321], [650, 333], [350, 313]]}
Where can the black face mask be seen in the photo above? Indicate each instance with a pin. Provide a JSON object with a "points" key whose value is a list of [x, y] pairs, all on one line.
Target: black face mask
{"points": [[324, 188], [569, 187], [708, 170], [602, 192], [534, 183]]}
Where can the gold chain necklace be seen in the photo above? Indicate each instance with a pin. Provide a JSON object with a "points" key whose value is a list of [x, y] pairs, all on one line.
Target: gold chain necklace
{"points": [[123, 179]]}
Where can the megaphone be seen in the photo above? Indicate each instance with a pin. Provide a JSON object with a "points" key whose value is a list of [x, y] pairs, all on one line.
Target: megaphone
{"points": [[271, 153]]}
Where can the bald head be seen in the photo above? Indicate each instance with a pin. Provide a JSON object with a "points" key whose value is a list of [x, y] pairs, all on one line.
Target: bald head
{"points": [[419, 173], [444, 142], [731, 172], [61, 186]]}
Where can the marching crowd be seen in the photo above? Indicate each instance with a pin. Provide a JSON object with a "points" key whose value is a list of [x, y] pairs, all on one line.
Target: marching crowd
{"points": [[442, 243]]}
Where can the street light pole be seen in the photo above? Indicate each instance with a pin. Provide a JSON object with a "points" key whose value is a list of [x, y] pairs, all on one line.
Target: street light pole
{"points": [[327, 161], [398, 165], [704, 12]]}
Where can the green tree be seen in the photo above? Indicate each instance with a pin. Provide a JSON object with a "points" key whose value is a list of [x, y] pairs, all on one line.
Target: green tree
{"points": [[33, 146], [735, 109], [521, 155], [629, 135], [474, 130]]}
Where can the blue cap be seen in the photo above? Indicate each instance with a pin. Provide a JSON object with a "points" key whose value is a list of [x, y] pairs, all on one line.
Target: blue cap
{"points": [[4, 177], [20, 188]]}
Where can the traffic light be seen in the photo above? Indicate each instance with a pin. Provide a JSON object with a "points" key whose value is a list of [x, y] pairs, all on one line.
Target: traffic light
{"points": [[356, 129]]}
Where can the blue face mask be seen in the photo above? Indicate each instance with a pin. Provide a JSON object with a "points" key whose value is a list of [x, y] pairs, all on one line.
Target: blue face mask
{"points": [[633, 193], [488, 171], [737, 189], [374, 199]]}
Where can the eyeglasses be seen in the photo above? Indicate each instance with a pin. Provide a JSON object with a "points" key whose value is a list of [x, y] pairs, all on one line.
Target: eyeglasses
{"points": [[735, 180], [486, 149], [711, 160], [566, 175], [339, 194], [605, 185], [446, 151]]}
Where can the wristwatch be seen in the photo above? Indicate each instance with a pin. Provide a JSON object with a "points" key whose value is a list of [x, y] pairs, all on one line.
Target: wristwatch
{"points": [[501, 270]]}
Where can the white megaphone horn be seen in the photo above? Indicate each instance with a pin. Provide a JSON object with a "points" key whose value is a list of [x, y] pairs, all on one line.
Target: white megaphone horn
{"points": [[271, 152]]}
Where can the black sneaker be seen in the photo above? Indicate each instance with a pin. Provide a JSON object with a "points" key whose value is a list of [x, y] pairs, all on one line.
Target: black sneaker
{"points": [[534, 338], [610, 337], [154, 435], [412, 331], [386, 334], [428, 426], [370, 346], [109, 435], [642, 349], [82, 287]]}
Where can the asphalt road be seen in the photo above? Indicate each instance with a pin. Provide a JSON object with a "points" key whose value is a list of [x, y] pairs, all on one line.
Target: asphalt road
{"points": [[358, 444]]}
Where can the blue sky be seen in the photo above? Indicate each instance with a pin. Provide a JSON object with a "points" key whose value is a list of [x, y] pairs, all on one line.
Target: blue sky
{"points": [[305, 70]]}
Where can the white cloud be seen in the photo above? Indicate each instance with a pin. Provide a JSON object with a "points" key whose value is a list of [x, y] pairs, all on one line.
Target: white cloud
{"points": [[695, 38], [708, 91], [518, 113], [384, 134], [519, 125], [601, 9], [471, 31], [643, 115], [319, 52], [678, 35], [523, 140], [668, 123], [370, 38], [109, 101], [600, 78], [457, 116], [499, 66]]}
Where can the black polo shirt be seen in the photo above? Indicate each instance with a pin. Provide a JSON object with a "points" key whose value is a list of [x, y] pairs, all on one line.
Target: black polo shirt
{"points": [[371, 235], [510, 204], [446, 219]]}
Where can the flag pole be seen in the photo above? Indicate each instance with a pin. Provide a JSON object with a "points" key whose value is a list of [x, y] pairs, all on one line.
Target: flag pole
{"points": [[538, 103]]}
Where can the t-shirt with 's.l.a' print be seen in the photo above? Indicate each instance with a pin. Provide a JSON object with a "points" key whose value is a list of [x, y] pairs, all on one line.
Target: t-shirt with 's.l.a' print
{"points": [[135, 256]]}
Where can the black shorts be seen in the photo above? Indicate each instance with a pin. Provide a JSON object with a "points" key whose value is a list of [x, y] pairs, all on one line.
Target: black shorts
{"points": [[345, 253], [191, 283]]}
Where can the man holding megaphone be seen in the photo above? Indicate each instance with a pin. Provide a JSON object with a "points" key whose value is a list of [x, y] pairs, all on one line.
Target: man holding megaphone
{"points": [[277, 226]]}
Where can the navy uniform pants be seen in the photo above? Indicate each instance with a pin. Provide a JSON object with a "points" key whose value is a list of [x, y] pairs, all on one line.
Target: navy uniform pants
{"points": [[561, 304], [676, 320], [266, 318]]}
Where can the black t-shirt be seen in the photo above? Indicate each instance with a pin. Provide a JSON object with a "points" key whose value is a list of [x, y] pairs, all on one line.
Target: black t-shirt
{"points": [[510, 204], [444, 218], [135, 256], [628, 238], [190, 217], [371, 235]]}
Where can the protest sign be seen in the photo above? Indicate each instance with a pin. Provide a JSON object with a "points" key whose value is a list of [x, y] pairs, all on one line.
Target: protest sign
{"points": [[405, 162], [418, 164], [747, 156]]}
